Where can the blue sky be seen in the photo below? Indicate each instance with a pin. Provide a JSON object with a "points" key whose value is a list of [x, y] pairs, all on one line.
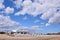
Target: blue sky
{"points": [[42, 16]]}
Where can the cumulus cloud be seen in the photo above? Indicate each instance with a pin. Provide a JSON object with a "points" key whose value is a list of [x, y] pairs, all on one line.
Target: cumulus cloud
{"points": [[48, 9], [8, 10], [18, 3], [5, 21], [37, 7], [53, 15], [1, 4], [49, 13], [31, 8], [54, 19]]}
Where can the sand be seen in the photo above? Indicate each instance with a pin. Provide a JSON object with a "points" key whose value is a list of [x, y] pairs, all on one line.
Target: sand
{"points": [[29, 37]]}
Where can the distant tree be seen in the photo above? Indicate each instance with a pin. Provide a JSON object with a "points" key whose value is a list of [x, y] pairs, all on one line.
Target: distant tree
{"points": [[53, 33], [58, 33], [2, 32]]}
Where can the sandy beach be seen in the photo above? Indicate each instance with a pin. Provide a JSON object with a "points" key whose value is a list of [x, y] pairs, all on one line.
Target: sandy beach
{"points": [[30, 37]]}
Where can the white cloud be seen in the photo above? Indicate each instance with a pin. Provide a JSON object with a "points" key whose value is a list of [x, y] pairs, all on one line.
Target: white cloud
{"points": [[22, 12], [18, 3], [47, 24], [8, 10], [31, 8], [37, 7], [1, 4], [5, 21], [48, 8], [54, 19], [26, 5], [1, 1], [49, 13], [52, 15]]}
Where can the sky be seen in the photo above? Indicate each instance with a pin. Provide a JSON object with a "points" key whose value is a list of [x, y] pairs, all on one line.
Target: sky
{"points": [[39, 16]]}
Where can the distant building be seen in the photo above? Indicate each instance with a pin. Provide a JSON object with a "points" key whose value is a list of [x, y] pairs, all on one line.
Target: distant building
{"points": [[21, 31]]}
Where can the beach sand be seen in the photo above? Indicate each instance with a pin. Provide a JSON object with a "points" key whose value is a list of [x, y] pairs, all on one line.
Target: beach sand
{"points": [[29, 37]]}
